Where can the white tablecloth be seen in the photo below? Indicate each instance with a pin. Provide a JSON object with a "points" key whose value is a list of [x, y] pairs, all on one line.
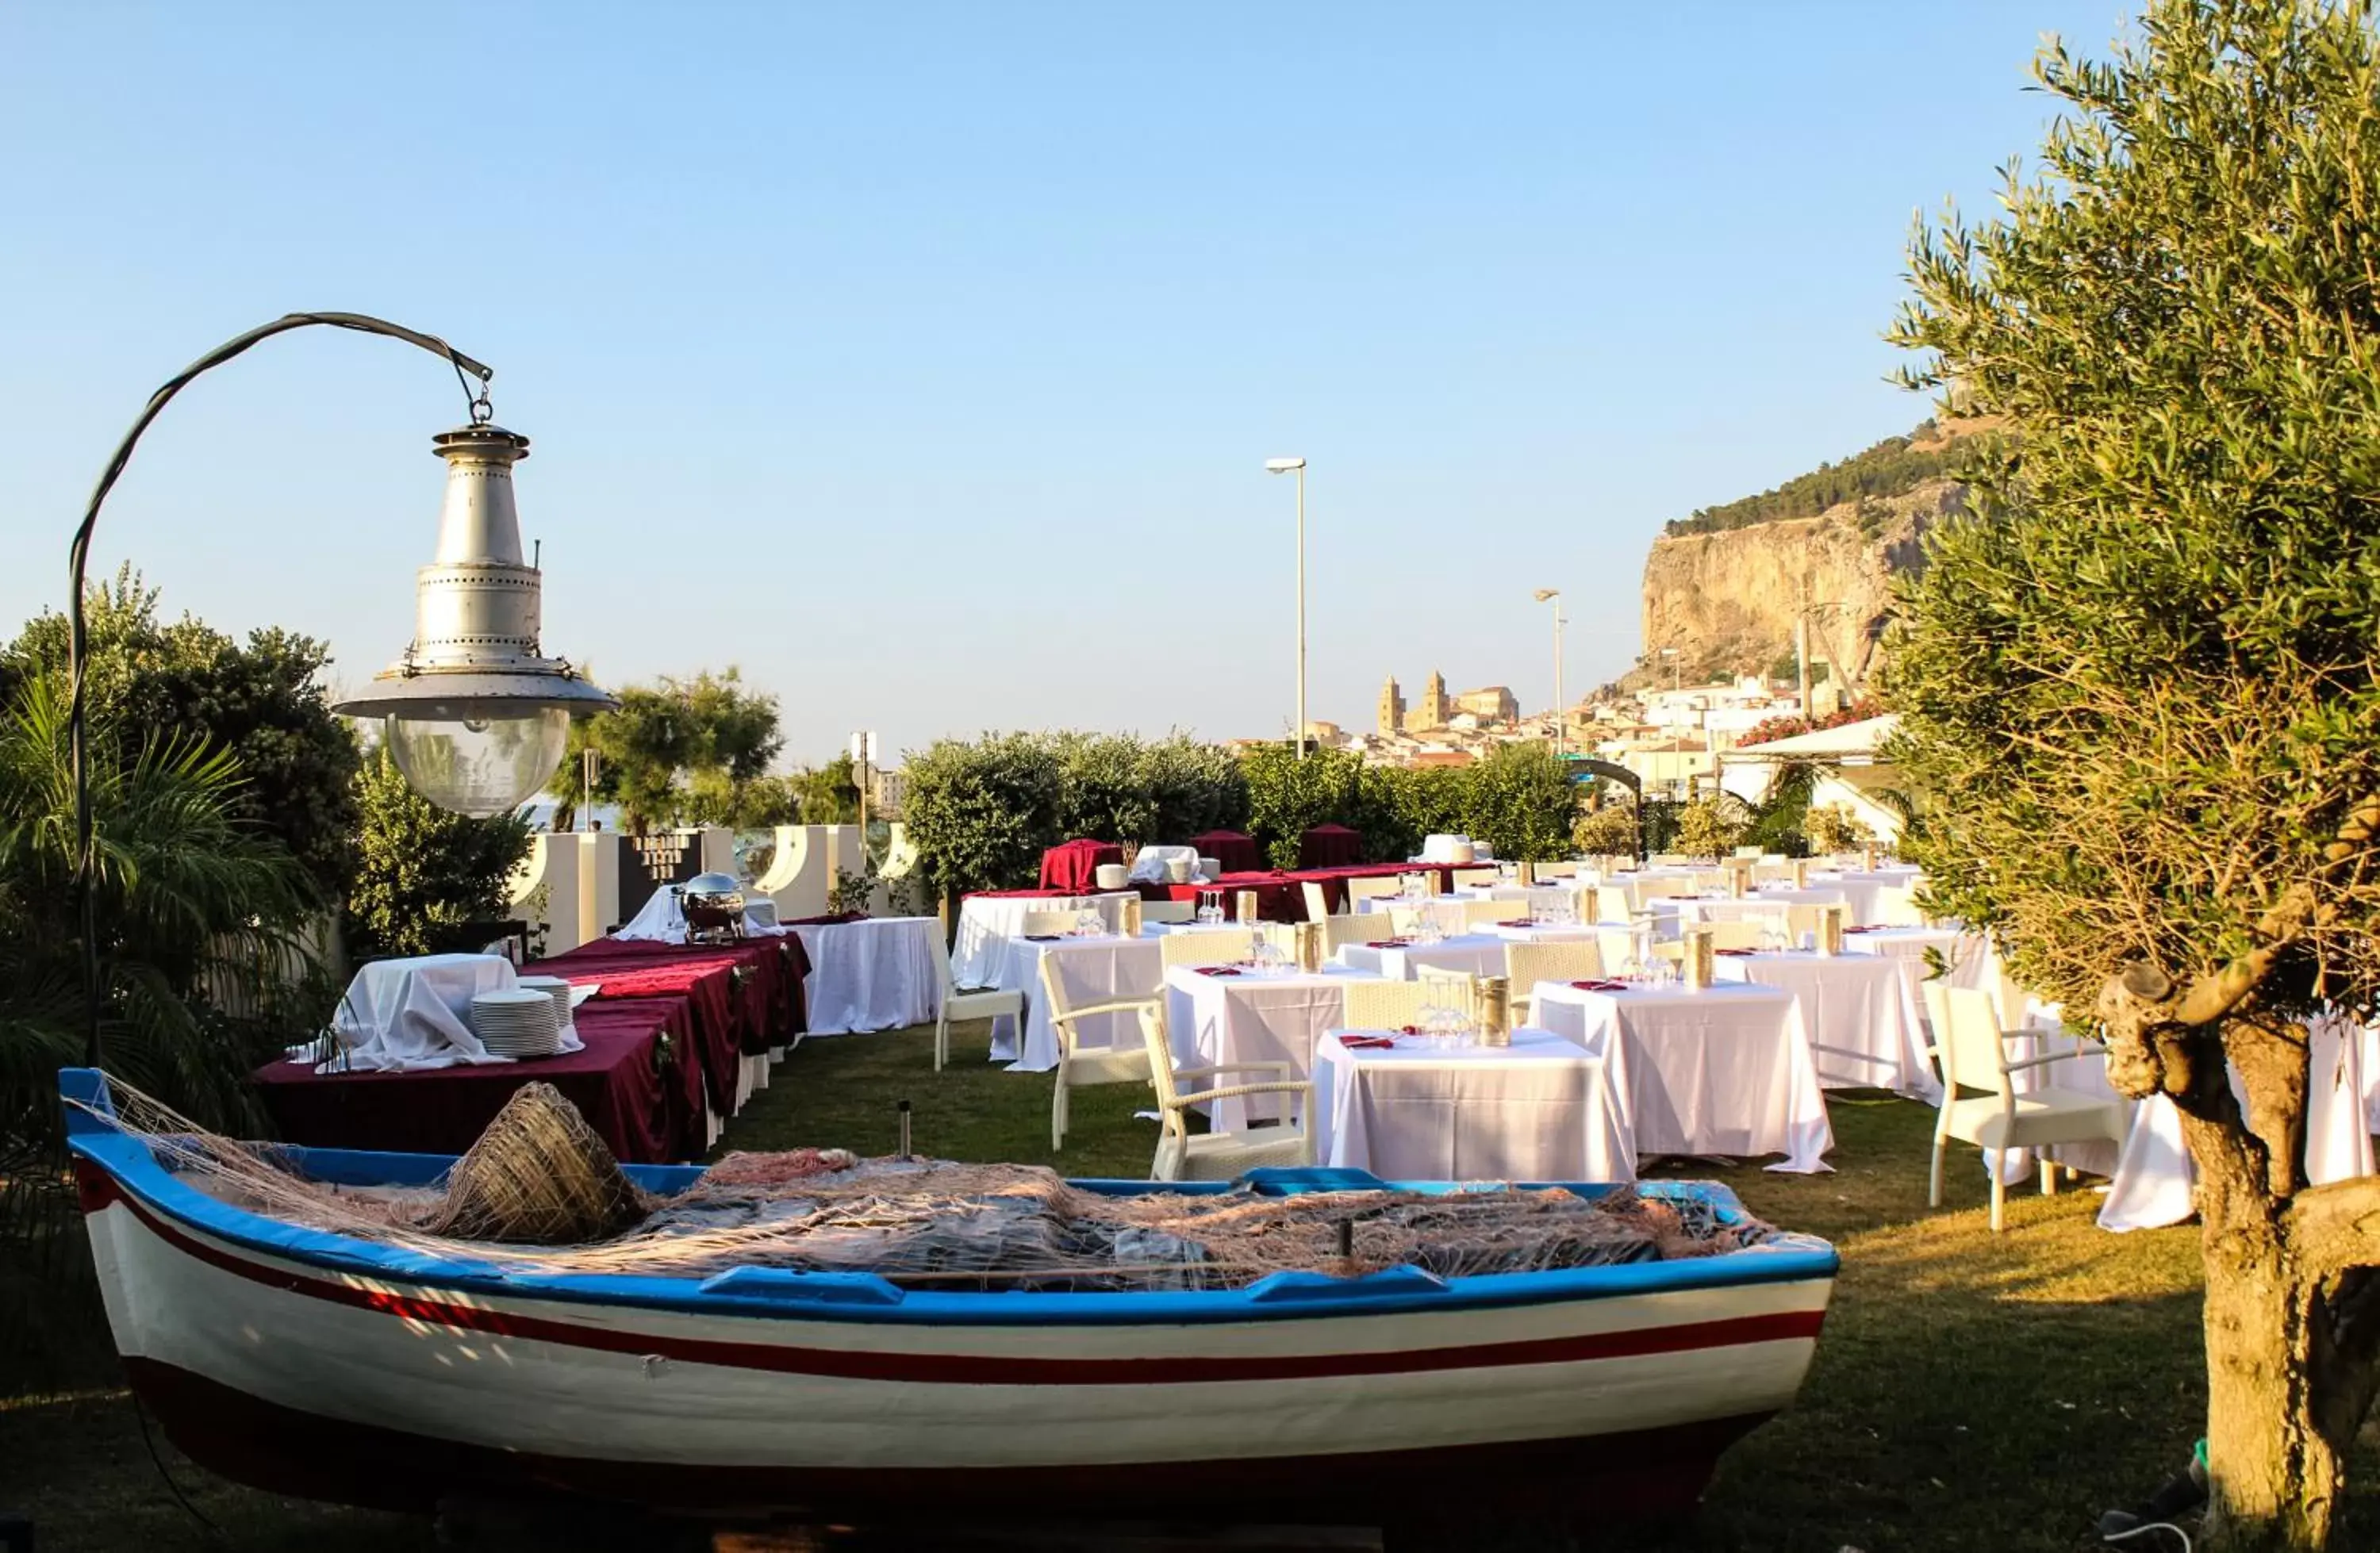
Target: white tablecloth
{"points": [[1089, 971], [1973, 963], [1725, 1071], [873, 974], [1251, 1018], [987, 922], [1538, 1109], [2155, 1178], [662, 919], [411, 1015], [1672, 916], [1860, 1014], [1863, 888], [1474, 955]]}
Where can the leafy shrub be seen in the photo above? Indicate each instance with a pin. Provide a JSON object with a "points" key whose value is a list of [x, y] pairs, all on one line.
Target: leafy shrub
{"points": [[420, 869], [1610, 832], [1834, 828], [1705, 828]]}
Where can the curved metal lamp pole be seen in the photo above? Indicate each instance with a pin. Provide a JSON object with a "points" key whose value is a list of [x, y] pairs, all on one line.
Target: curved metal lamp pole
{"points": [[77, 644]]}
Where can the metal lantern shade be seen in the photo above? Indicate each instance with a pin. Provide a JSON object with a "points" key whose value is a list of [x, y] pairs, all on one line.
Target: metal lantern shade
{"points": [[476, 716]]}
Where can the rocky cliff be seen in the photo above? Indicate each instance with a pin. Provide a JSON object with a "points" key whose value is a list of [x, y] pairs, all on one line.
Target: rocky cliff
{"points": [[1726, 598]]}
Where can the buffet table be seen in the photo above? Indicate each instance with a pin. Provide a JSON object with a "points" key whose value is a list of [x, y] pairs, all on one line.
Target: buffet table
{"points": [[1725, 1071], [1536, 1110], [744, 999], [633, 1084]]}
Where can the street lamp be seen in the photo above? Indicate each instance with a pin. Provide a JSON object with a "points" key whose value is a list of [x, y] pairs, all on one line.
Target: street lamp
{"points": [[1283, 467], [476, 716], [1553, 596]]}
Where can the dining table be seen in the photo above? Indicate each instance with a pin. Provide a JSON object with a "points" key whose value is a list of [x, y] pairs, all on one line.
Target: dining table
{"points": [[1234, 1014], [1410, 1108], [1862, 1017], [988, 919], [1722, 1071], [1103, 968]]}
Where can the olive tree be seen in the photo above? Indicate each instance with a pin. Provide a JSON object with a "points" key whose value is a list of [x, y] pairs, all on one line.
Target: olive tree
{"points": [[2142, 682]]}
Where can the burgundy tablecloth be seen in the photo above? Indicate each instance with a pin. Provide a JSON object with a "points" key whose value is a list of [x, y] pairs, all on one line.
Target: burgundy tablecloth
{"points": [[1280, 896], [1073, 865], [744, 996], [630, 1083], [1238, 854], [1328, 846]]}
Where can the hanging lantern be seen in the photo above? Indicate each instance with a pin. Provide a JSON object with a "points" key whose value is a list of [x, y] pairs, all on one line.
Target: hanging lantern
{"points": [[474, 714]]}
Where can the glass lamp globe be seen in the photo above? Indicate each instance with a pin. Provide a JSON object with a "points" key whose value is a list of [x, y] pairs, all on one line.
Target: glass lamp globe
{"points": [[473, 713], [478, 766]]}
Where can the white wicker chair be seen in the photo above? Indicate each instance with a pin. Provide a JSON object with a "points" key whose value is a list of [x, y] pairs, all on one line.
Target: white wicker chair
{"points": [[1080, 1066], [1971, 1047], [1525, 964], [1744, 932], [1476, 914], [1046, 924], [1338, 932], [1183, 1155], [956, 1004], [1317, 901], [1383, 1005], [1474, 879], [1371, 889], [1223, 946], [1169, 911]]}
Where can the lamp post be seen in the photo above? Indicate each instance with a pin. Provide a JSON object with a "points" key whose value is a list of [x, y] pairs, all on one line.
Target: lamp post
{"points": [[476, 716], [1283, 467], [1677, 669], [1553, 596]]}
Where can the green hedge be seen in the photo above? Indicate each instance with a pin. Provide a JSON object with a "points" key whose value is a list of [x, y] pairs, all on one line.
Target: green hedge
{"points": [[980, 812]]}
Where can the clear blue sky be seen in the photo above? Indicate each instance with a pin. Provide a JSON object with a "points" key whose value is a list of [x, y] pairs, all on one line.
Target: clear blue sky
{"points": [[922, 358]]}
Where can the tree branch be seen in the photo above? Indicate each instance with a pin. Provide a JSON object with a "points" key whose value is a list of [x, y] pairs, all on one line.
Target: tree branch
{"points": [[2336, 1229]]}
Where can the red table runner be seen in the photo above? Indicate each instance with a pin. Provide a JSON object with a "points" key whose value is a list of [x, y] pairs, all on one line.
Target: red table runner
{"points": [[635, 1084]]}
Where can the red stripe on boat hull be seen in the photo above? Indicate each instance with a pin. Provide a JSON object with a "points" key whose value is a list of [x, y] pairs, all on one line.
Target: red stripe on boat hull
{"points": [[966, 1369], [285, 1450]]}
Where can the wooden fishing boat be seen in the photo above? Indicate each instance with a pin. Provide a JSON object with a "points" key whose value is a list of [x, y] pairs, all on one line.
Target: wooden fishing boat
{"points": [[335, 1367]]}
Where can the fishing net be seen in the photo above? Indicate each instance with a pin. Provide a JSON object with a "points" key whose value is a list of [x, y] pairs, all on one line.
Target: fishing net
{"points": [[931, 1223]]}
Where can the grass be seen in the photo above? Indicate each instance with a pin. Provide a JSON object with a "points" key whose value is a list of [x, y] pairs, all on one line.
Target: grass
{"points": [[1973, 1393]]}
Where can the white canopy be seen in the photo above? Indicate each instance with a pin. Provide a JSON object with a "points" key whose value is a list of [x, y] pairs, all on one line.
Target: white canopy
{"points": [[1852, 741]]}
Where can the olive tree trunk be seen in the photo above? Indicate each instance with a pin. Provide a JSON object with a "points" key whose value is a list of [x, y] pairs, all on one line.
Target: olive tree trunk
{"points": [[2281, 1409]]}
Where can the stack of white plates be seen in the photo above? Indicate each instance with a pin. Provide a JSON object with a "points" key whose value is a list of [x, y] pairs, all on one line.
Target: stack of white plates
{"points": [[553, 987], [519, 1023]]}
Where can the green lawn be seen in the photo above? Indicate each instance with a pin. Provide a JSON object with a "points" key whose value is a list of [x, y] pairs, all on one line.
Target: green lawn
{"points": [[1973, 1393]]}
